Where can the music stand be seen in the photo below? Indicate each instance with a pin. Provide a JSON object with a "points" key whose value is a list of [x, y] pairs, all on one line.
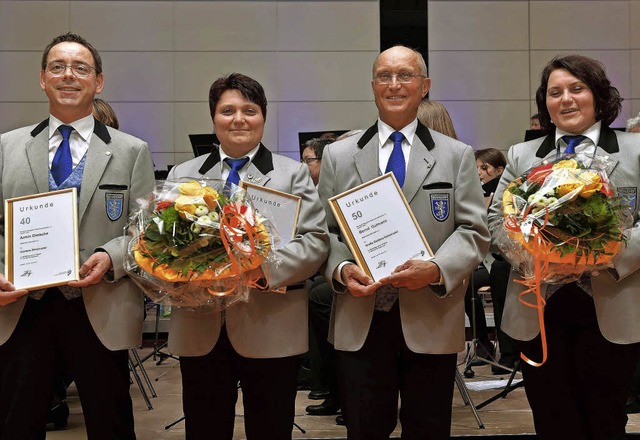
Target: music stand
{"points": [[202, 143], [507, 388]]}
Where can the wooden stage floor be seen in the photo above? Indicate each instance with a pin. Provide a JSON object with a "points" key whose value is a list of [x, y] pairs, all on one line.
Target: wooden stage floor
{"points": [[506, 416]]}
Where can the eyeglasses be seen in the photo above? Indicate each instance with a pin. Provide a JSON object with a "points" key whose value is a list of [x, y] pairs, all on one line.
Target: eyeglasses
{"points": [[403, 78], [78, 70], [308, 160]]}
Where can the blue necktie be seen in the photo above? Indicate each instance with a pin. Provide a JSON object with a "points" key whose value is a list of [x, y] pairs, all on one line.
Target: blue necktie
{"points": [[62, 164], [572, 143], [235, 165], [396, 162]]}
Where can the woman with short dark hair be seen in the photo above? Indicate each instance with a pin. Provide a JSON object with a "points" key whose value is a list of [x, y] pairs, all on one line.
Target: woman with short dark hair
{"points": [[592, 325]]}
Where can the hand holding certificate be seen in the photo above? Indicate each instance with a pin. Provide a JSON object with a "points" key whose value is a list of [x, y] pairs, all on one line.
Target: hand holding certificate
{"points": [[41, 240], [379, 227]]}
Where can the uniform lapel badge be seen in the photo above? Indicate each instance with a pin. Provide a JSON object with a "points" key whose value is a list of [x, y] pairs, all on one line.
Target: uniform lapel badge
{"points": [[114, 203], [440, 206]]}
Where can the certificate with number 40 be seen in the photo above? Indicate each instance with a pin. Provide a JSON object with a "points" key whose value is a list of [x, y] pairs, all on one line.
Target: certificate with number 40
{"points": [[41, 239], [379, 226]]}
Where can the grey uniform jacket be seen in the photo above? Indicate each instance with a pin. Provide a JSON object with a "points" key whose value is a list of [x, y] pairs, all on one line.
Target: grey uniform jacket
{"points": [[269, 325], [439, 167], [616, 292], [117, 166]]}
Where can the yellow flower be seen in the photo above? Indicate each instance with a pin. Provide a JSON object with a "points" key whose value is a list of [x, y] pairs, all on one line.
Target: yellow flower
{"points": [[192, 194], [567, 163], [567, 188]]}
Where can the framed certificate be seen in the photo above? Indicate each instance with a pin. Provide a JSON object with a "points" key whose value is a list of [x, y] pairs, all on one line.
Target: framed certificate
{"points": [[379, 227], [280, 208], [41, 239]]}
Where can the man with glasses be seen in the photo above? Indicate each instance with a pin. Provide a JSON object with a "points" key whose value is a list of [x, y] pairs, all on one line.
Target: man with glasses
{"points": [[312, 156], [92, 322], [401, 335]]}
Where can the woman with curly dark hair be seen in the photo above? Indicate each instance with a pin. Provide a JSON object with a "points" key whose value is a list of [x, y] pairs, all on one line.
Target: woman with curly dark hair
{"points": [[593, 324]]}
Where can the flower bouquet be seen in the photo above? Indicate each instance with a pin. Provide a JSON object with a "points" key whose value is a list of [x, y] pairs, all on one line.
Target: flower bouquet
{"points": [[562, 219], [195, 243]]}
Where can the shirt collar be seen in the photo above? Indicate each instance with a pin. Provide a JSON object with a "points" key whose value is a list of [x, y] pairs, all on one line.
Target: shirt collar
{"points": [[251, 154], [385, 130], [84, 126], [593, 133]]}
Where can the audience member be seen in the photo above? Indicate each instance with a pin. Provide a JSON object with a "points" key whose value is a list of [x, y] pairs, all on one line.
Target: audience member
{"points": [[491, 163], [535, 122], [404, 338], [633, 124], [593, 325], [435, 116], [258, 342], [90, 322], [104, 113]]}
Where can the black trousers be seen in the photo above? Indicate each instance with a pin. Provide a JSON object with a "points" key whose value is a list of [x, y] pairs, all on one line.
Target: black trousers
{"points": [[580, 392], [210, 393], [323, 362], [472, 300], [51, 327], [499, 278], [372, 377]]}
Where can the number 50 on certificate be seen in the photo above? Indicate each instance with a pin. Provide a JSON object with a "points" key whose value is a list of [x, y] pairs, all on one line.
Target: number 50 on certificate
{"points": [[379, 227]]}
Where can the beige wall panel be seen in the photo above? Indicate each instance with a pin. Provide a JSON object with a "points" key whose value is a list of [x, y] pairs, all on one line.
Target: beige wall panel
{"points": [[190, 118], [150, 121], [616, 63], [20, 78], [324, 76], [138, 76], [295, 117], [226, 25], [31, 25], [124, 25], [634, 19], [20, 114], [635, 78], [634, 105], [328, 25], [474, 25], [484, 124], [579, 24], [196, 71], [470, 75]]}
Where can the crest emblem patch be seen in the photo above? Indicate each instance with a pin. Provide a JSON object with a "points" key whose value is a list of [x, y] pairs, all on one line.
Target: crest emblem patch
{"points": [[440, 206], [114, 203]]}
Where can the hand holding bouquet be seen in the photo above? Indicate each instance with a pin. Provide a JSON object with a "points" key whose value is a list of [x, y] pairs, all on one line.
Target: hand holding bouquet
{"points": [[566, 213], [562, 219], [193, 243]]}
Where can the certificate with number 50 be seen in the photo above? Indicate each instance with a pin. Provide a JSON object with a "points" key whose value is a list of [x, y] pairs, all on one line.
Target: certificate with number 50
{"points": [[41, 239], [379, 227]]}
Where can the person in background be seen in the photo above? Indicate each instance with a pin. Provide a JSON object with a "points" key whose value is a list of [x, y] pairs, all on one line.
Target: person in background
{"points": [[104, 113], [491, 163], [633, 125], [312, 156], [403, 340], [592, 325], [92, 322], [535, 122], [435, 116], [256, 343]]}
